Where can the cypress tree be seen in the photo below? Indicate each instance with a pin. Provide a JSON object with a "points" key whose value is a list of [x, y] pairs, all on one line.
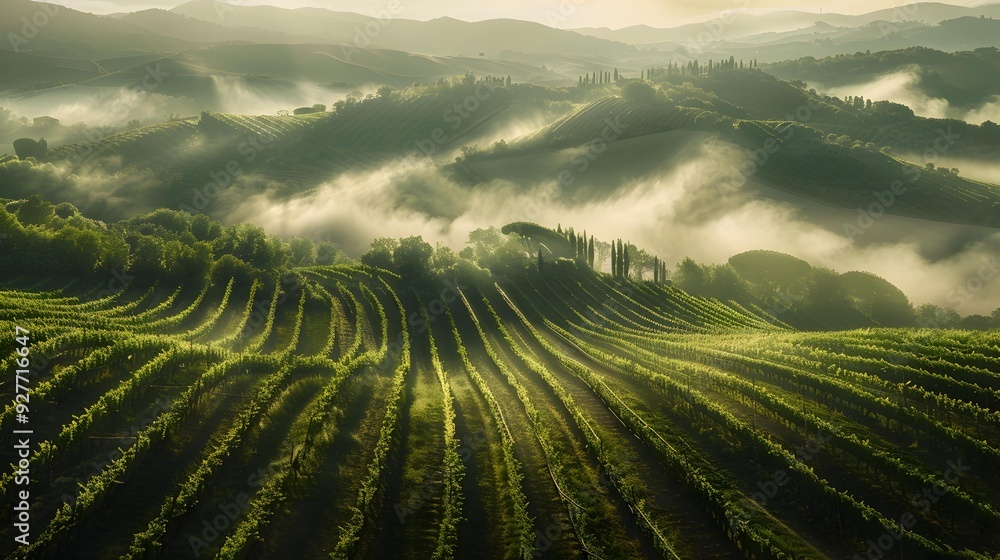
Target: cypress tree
{"points": [[591, 253], [656, 270], [626, 263], [621, 267], [618, 258], [614, 257], [621, 260]]}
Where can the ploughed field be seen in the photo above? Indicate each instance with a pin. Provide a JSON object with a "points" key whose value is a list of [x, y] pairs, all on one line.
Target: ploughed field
{"points": [[341, 413]]}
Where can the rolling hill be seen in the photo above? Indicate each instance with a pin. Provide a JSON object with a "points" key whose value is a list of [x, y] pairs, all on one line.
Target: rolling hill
{"points": [[317, 406], [74, 34], [326, 64], [783, 35], [195, 30], [827, 165], [964, 79], [802, 159]]}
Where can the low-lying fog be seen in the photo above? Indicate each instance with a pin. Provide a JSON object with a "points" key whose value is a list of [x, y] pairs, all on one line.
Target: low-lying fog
{"points": [[679, 212], [676, 214], [115, 107], [902, 87]]}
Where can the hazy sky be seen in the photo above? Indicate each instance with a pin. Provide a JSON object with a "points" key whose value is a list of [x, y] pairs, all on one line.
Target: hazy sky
{"points": [[560, 13]]}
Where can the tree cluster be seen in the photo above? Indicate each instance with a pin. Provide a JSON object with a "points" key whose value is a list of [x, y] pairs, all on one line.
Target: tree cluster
{"points": [[582, 247], [40, 238], [621, 262], [599, 78], [696, 68], [496, 81], [797, 293]]}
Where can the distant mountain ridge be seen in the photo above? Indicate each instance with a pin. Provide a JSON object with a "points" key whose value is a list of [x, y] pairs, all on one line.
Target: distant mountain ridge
{"points": [[440, 36], [738, 26]]}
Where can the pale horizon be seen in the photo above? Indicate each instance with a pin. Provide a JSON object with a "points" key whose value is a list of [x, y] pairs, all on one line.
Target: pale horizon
{"points": [[563, 14]]}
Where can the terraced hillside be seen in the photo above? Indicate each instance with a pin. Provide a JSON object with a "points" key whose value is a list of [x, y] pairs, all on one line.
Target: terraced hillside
{"points": [[345, 412]]}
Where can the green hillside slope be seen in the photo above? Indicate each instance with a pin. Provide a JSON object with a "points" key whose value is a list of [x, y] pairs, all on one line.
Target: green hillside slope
{"points": [[318, 406]]}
